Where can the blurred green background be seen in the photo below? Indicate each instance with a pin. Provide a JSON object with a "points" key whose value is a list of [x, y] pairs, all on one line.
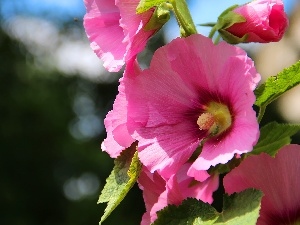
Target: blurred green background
{"points": [[54, 95]]}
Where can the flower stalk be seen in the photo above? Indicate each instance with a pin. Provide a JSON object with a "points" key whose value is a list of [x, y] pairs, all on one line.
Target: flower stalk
{"points": [[184, 18], [261, 113]]}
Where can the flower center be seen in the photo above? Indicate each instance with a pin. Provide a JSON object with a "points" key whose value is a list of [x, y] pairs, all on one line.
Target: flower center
{"points": [[216, 119]]}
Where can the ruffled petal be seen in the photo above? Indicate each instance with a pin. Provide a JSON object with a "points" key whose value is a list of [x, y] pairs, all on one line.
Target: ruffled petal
{"points": [[101, 23], [116, 31], [167, 99], [158, 192], [117, 121], [278, 178]]}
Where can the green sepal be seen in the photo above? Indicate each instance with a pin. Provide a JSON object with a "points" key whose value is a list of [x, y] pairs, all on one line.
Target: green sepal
{"points": [[160, 16], [232, 39], [145, 5], [275, 86], [273, 136], [207, 24], [229, 9], [239, 209], [122, 178], [228, 18]]}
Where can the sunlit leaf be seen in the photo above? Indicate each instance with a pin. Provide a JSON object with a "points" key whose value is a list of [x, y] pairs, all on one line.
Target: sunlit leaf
{"points": [[190, 212], [277, 85], [273, 136], [120, 181], [239, 209]]}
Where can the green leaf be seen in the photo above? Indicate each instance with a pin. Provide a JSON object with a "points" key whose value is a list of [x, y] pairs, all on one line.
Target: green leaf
{"points": [[190, 212], [277, 85], [145, 5], [122, 178], [273, 136], [239, 209]]}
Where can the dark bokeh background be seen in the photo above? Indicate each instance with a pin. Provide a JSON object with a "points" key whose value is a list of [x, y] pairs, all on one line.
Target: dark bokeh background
{"points": [[51, 126]]}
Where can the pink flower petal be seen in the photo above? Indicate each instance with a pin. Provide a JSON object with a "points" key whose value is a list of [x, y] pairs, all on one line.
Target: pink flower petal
{"points": [[279, 180], [153, 186], [133, 25], [115, 30], [101, 23], [239, 140], [180, 185], [117, 122], [166, 100], [158, 193]]}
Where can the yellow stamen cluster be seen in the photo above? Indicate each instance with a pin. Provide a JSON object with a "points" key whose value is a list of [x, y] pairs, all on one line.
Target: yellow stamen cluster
{"points": [[216, 119]]}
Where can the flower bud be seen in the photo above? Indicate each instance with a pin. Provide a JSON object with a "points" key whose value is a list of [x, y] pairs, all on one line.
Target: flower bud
{"points": [[263, 21]]}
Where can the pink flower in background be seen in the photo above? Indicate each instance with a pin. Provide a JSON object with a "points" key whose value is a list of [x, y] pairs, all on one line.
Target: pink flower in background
{"points": [[115, 30], [158, 192], [116, 121], [278, 178], [194, 91], [266, 21]]}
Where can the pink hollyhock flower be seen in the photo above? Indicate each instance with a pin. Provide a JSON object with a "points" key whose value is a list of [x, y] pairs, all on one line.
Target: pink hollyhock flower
{"points": [[266, 21], [278, 178], [194, 91], [115, 30], [116, 121], [158, 192]]}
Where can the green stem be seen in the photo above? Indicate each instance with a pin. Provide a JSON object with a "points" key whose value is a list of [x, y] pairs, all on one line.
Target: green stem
{"points": [[217, 40], [261, 113], [183, 17], [212, 32]]}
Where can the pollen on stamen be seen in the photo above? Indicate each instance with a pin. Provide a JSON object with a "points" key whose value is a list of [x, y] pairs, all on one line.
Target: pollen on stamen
{"points": [[205, 121], [222, 116], [216, 119]]}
